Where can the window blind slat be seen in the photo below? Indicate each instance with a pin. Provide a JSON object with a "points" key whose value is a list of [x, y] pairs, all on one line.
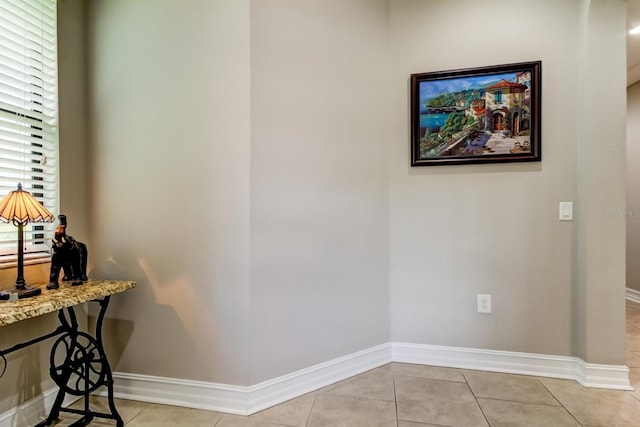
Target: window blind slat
{"points": [[27, 31], [32, 12], [30, 116], [29, 128]]}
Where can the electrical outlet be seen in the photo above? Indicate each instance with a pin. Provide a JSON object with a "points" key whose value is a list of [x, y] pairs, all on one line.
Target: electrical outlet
{"points": [[484, 303]]}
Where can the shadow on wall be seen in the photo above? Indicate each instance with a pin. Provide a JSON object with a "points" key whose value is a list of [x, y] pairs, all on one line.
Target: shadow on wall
{"points": [[146, 324], [116, 332]]}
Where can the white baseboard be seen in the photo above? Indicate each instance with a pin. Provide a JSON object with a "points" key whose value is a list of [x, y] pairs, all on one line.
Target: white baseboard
{"points": [[249, 399], [614, 377], [34, 410], [633, 295], [246, 400]]}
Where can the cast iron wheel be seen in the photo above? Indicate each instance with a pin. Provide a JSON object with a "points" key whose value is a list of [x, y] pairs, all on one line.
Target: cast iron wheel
{"points": [[78, 366]]}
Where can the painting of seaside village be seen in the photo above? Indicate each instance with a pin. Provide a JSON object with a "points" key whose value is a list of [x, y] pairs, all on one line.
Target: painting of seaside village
{"points": [[481, 115]]}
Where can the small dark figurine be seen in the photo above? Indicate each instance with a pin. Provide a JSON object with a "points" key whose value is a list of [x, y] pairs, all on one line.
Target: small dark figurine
{"points": [[69, 255]]}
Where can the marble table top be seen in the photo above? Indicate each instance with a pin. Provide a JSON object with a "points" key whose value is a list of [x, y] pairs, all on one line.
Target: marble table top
{"points": [[55, 299]]}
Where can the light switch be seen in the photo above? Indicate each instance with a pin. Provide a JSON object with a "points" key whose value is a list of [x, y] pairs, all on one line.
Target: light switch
{"points": [[566, 211]]}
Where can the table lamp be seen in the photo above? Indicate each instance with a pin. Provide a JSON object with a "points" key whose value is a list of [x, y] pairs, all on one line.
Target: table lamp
{"points": [[20, 208]]}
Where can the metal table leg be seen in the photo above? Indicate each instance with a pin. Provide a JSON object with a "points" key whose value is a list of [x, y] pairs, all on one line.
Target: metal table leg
{"points": [[79, 366]]}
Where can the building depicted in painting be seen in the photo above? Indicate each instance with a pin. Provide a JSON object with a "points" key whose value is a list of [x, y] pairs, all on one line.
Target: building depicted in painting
{"points": [[477, 109], [506, 109], [524, 78]]}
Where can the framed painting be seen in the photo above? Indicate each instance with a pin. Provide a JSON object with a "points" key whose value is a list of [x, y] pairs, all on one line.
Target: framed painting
{"points": [[477, 115]]}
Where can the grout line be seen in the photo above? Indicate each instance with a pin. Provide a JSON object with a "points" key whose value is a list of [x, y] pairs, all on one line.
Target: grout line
{"points": [[395, 396], [475, 398], [560, 402], [315, 396]]}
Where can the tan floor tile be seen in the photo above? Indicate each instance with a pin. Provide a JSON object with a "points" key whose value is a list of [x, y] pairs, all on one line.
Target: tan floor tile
{"points": [[172, 416], [634, 377], [631, 326], [402, 423], [431, 372], [383, 368], [70, 419], [501, 413], [437, 402], [127, 409], [294, 412], [632, 308], [517, 388], [228, 420], [633, 341], [375, 384], [344, 411], [595, 407], [633, 359], [632, 323]]}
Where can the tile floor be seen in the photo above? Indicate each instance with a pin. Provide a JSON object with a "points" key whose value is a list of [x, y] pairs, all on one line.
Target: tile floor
{"points": [[404, 395]]}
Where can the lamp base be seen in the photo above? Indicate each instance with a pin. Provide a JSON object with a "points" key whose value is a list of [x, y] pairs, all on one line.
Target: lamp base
{"points": [[25, 292]]}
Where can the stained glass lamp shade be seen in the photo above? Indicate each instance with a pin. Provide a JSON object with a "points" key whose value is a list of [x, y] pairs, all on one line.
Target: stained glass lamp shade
{"points": [[20, 208]]}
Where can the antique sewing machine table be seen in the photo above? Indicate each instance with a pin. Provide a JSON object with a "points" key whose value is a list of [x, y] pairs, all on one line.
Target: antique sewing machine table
{"points": [[78, 364]]}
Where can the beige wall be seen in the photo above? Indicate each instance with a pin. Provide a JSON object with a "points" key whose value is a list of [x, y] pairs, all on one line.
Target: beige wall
{"points": [[319, 205], [633, 187], [599, 287], [170, 167], [73, 102]]}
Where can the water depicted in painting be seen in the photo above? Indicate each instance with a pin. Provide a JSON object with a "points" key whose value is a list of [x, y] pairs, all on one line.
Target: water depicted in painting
{"points": [[476, 115]]}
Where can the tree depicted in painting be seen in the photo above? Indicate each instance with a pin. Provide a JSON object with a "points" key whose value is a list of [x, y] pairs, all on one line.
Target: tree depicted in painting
{"points": [[458, 125]]}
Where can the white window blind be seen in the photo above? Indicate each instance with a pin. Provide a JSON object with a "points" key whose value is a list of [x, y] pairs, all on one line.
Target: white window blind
{"points": [[28, 114]]}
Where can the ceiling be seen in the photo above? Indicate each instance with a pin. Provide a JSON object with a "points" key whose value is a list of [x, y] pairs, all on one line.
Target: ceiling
{"points": [[633, 42]]}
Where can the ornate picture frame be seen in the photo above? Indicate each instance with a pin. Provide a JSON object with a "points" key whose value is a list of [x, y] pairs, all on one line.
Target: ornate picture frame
{"points": [[476, 115]]}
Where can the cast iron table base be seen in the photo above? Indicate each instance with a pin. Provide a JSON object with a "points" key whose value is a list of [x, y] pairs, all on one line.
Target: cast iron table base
{"points": [[78, 366]]}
